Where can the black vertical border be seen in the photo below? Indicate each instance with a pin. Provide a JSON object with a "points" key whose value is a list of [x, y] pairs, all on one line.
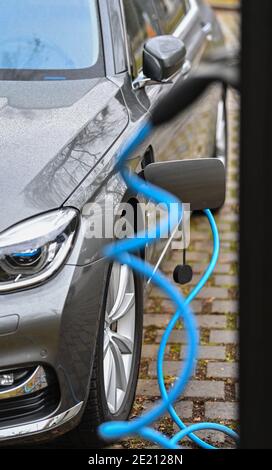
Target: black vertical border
{"points": [[256, 227]]}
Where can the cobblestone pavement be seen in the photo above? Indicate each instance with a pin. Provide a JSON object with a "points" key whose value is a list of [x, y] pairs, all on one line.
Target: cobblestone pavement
{"points": [[213, 392]]}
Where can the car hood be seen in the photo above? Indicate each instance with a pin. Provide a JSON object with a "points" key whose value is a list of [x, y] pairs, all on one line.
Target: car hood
{"points": [[51, 136]]}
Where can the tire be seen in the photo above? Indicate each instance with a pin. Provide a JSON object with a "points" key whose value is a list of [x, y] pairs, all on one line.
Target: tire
{"points": [[97, 410]]}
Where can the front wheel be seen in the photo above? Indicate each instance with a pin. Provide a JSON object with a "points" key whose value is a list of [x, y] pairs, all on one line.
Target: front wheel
{"points": [[122, 335], [118, 353]]}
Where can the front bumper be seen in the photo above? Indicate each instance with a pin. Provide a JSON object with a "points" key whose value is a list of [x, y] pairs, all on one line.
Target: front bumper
{"points": [[56, 330], [34, 383]]}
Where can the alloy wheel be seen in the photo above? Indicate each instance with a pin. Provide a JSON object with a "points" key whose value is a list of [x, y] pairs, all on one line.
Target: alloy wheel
{"points": [[119, 332]]}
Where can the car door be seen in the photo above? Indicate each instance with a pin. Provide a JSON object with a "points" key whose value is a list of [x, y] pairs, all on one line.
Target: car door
{"points": [[191, 135], [142, 21], [176, 17]]}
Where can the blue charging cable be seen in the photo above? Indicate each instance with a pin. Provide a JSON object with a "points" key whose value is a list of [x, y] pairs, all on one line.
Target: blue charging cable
{"points": [[122, 252]]}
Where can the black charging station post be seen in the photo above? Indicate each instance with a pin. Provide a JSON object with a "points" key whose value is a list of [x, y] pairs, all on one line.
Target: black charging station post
{"points": [[255, 227]]}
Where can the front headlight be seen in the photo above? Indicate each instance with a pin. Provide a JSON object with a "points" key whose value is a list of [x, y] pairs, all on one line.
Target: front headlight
{"points": [[34, 250]]}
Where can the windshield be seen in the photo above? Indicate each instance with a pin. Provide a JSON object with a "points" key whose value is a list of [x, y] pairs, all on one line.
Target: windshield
{"points": [[48, 39]]}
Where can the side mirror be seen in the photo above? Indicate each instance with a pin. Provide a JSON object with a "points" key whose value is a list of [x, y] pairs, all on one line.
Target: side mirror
{"points": [[163, 56], [200, 182]]}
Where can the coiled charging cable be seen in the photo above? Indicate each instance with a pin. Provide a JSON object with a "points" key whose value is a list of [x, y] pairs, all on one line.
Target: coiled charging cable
{"points": [[122, 252]]}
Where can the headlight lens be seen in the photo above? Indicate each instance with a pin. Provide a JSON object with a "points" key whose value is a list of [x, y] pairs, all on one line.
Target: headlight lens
{"points": [[34, 250]]}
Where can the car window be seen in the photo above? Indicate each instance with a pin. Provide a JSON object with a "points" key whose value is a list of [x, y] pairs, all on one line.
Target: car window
{"points": [[171, 13], [141, 23], [53, 37]]}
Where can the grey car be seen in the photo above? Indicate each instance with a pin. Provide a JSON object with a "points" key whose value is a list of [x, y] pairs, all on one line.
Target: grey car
{"points": [[73, 87]]}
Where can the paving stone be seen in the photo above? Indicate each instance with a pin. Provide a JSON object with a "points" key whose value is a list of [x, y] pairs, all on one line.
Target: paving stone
{"points": [[222, 370], [214, 292], [168, 307], [184, 409], [221, 410], [224, 336], [208, 352], [220, 268], [195, 389], [225, 306], [157, 294], [205, 389], [201, 246], [195, 280], [207, 306], [232, 217], [223, 227], [151, 306], [229, 236], [148, 388], [228, 257], [177, 336], [211, 321], [171, 368], [196, 306], [157, 319], [226, 280], [150, 351], [196, 256], [199, 235], [203, 321]]}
